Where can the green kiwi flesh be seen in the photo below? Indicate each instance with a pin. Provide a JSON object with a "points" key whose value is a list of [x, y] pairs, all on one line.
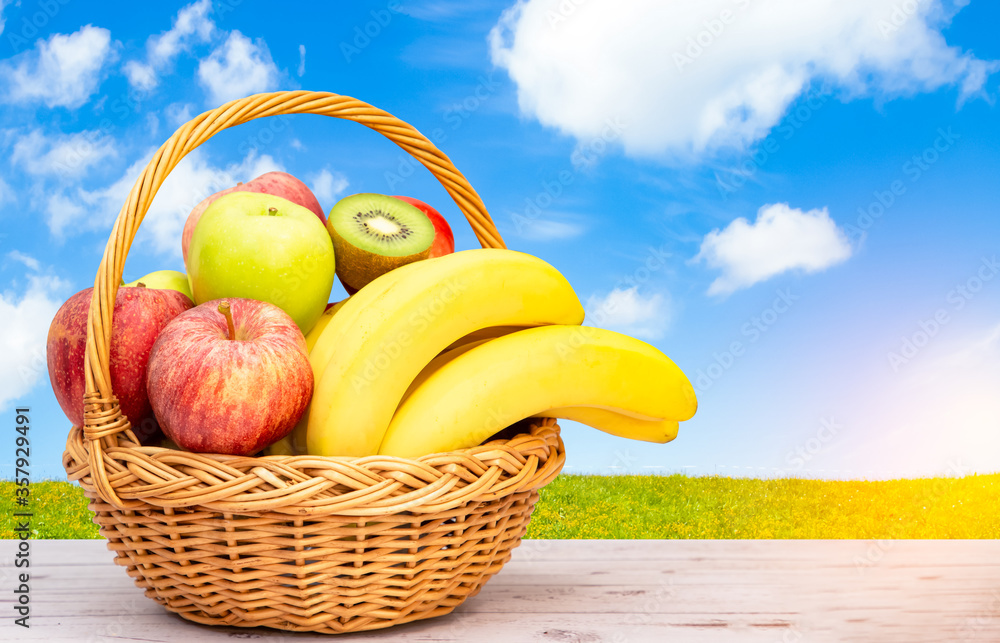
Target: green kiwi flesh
{"points": [[373, 234]]}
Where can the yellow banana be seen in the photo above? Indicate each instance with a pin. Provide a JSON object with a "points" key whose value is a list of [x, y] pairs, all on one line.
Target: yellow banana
{"points": [[430, 305], [295, 442], [330, 336], [321, 341], [313, 335], [623, 424], [450, 353], [616, 423], [485, 333], [532, 371]]}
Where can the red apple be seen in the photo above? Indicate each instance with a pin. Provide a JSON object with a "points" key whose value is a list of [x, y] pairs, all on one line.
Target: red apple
{"points": [[444, 240], [139, 316], [274, 183], [229, 376]]}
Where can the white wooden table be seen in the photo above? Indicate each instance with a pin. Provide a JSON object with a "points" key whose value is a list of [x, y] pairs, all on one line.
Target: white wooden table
{"points": [[590, 591]]}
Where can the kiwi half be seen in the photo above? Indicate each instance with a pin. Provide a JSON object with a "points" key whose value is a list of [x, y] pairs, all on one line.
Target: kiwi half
{"points": [[373, 234]]}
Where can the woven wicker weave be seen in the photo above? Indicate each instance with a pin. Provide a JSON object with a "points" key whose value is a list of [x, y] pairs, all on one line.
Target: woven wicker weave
{"points": [[302, 543]]}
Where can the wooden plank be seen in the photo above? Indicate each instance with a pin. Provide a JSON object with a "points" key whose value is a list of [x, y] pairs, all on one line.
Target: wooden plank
{"points": [[617, 591]]}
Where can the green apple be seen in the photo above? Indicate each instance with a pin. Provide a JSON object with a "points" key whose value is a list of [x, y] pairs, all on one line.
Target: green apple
{"points": [[260, 246], [165, 280]]}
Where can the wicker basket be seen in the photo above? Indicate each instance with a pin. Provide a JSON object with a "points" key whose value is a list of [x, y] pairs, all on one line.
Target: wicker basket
{"points": [[302, 543]]}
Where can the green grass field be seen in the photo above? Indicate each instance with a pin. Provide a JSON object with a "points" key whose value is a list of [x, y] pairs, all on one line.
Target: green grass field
{"points": [[678, 507]]}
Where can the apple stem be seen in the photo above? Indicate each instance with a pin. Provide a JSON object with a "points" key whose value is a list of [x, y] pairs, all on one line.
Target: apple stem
{"points": [[228, 314], [140, 285], [272, 211]]}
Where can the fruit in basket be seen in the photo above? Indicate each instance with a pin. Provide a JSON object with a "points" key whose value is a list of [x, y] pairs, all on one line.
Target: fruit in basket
{"points": [[263, 247], [140, 314], [379, 342], [295, 442], [313, 335], [276, 183], [229, 376], [444, 238], [647, 429], [535, 370], [166, 279], [615, 423], [373, 234]]}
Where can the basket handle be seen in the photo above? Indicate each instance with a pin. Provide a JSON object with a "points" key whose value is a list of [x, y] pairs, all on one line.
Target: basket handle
{"points": [[103, 419]]}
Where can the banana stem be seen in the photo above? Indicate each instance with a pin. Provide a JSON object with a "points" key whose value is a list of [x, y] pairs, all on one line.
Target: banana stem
{"points": [[228, 314]]}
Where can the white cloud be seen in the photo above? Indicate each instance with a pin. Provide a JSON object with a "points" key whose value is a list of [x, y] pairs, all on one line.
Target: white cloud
{"points": [[64, 155], [24, 326], [3, 21], [66, 213], [62, 71], [191, 181], [435, 11], [327, 186], [27, 260], [781, 239], [626, 311], [153, 123], [693, 77], [302, 60], [237, 68], [141, 75], [556, 226], [191, 26], [178, 113]]}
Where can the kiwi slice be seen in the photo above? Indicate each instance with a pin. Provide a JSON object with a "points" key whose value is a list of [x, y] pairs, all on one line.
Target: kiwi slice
{"points": [[373, 234]]}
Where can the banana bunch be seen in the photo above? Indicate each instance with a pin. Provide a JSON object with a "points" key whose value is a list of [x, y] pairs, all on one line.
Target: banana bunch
{"points": [[600, 378], [442, 353]]}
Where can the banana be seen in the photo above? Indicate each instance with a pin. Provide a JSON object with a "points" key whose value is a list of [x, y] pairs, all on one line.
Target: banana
{"points": [[313, 336], [533, 371], [623, 424], [295, 442], [448, 354], [485, 333], [393, 336], [330, 336], [616, 423], [284, 446]]}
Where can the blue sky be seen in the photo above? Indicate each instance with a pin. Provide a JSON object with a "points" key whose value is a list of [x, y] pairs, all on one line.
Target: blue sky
{"points": [[798, 204]]}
